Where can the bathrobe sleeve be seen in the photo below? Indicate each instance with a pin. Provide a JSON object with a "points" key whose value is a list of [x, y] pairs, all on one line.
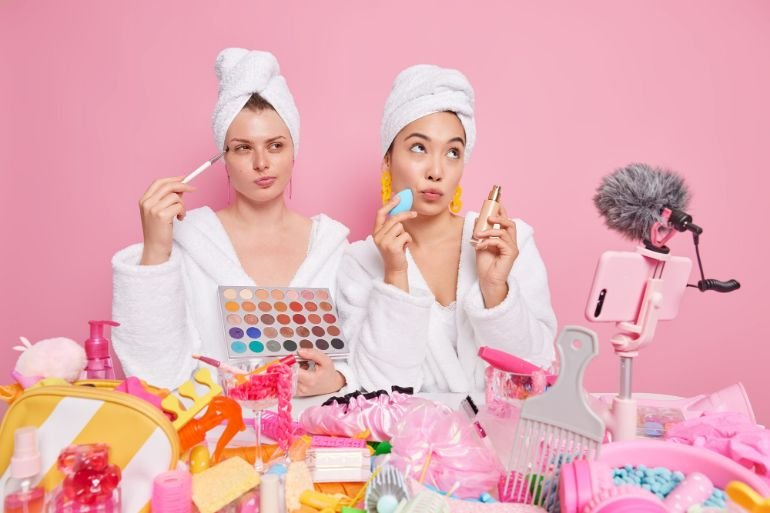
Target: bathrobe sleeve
{"points": [[154, 341], [387, 327], [524, 324]]}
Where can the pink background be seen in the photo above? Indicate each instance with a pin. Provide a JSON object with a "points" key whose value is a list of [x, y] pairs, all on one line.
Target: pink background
{"points": [[97, 99]]}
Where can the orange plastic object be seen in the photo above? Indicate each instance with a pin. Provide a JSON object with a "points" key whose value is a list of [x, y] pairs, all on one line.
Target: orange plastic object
{"points": [[220, 409]]}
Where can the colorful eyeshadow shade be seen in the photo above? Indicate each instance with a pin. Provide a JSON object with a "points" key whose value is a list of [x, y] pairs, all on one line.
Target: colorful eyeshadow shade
{"points": [[269, 322]]}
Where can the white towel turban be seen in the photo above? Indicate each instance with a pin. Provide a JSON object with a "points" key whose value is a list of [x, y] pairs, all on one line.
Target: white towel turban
{"points": [[242, 73], [424, 89]]}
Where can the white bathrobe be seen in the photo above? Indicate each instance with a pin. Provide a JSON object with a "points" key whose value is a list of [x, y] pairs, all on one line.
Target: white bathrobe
{"points": [[170, 311], [404, 339]]}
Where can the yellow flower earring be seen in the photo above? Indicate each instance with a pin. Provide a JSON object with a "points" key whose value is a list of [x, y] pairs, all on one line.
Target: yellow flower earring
{"points": [[385, 189], [457, 202]]}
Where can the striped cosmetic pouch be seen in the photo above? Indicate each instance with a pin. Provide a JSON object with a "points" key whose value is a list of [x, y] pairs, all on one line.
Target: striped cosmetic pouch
{"points": [[142, 441]]}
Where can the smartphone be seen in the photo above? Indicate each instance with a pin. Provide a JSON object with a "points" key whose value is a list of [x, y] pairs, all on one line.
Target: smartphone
{"points": [[620, 280]]}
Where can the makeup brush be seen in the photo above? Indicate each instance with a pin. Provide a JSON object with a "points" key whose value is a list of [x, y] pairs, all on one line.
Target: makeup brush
{"points": [[201, 169]]}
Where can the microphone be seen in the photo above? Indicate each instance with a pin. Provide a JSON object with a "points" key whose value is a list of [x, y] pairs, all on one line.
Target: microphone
{"points": [[636, 199], [632, 199]]}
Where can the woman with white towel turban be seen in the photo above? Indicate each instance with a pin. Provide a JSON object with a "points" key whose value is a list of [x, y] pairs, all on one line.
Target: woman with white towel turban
{"points": [[416, 299], [165, 289]]}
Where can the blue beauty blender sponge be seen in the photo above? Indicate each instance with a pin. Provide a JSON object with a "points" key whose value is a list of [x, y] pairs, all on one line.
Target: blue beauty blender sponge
{"points": [[407, 198]]}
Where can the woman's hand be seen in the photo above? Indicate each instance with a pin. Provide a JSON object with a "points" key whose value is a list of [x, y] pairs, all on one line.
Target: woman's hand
{"points": [[161, 203], [391, 239], [322, 379], [495, 254]]}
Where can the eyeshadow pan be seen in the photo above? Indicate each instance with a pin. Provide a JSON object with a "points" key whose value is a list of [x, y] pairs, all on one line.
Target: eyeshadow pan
{"points": [[314, 318], [236, 332], [318, 331], [229, 294], [256, 346], [302, 331], [334, 331], [262, 294], [329, 318], [248, 306], [250, 319], [253, 332], [322, 294], [337, 343], [298, 318], [273, 346], [290, 345], [280, 306], [231, 306], [277, 294], [287, 332], [311, 307], [291, 295], [246, 294], [307, 294], [267, 319], [264, 306], [238, 347], [283, 319], [322, 344], [305, 344], [326, 307], [295, 306], [271, 332], [233, 319]]}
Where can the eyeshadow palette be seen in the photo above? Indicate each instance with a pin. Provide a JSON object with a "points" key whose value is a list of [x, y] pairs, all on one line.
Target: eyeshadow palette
{"points": [[275, 321]]}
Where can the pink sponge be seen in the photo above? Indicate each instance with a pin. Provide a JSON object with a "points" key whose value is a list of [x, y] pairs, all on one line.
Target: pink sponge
{"points": [[49, 358]]}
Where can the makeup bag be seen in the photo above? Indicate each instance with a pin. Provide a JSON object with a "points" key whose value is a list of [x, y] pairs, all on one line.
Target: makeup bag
{"points": [[143, 442]]}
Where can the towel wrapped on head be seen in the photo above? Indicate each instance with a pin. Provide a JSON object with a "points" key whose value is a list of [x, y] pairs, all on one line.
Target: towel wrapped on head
{"points": [[426, 89], [242, 73]]}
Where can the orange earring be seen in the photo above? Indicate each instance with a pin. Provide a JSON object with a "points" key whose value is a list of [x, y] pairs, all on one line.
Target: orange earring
{"points": [[457, 202], [385, 190]]}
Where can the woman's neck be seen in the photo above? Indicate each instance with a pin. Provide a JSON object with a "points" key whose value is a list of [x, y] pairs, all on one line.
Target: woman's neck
{"points": [[267, 217], [429, 230]]}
